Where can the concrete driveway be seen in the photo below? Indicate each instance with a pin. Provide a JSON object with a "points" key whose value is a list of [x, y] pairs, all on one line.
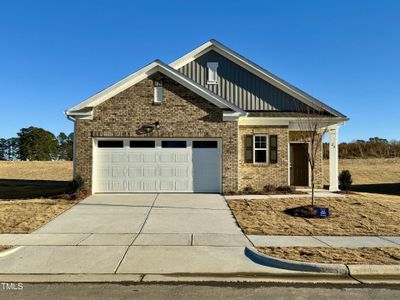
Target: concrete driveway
{"points": [[135, 233]]}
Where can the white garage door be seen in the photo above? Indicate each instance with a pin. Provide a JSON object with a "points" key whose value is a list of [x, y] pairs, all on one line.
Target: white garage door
{"points": [[156, 165]]}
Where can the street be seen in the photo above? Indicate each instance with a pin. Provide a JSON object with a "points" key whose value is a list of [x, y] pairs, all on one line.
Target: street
{"points": [[198, 291]]}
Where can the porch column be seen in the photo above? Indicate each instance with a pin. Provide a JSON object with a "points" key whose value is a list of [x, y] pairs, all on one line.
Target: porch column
{"points": [[333, 158]]}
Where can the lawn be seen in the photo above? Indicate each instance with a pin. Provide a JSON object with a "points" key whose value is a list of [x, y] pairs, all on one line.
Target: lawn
{"points": [[372, 175], [359, 214], [376, 256], [24, 187]]}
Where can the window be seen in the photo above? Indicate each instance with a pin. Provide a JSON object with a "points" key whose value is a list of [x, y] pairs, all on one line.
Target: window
{"points": [[212, 73], [173, 144], [110, 144], [158, 92], [205, 144], [260, 149], [142, 144]]}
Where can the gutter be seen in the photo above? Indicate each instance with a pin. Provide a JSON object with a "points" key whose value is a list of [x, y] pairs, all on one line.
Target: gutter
{"points": [[72, 119]]}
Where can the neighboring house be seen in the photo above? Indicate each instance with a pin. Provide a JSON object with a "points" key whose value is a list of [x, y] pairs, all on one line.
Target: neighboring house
{"points": [[211, 121]]}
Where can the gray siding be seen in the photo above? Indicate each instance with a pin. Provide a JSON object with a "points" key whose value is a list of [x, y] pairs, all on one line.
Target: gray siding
{"points": [[239, 86]]}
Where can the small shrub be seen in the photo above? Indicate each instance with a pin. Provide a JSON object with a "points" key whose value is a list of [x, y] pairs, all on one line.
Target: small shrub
{"points": [[76, 185], [345, 180], [286, 189], [269, 188], [248, 190]]}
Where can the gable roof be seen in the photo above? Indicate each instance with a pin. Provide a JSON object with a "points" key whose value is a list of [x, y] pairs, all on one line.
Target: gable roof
{"points": [[258, 71], [152, 68]]}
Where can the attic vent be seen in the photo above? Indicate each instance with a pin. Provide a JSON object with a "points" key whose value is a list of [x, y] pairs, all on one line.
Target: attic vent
{"points": [[212, 72], [158, 92]]}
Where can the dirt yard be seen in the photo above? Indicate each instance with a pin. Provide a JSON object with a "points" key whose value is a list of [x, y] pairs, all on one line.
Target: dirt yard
{"points": [[374, 256], [25, 216], [360, 214], [31, 181]]}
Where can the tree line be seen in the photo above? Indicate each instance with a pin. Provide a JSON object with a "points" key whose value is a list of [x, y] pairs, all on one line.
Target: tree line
{"points": [[34, 143], [373, 148]]}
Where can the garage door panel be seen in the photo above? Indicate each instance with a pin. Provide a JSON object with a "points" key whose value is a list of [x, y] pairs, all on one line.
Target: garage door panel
{"points": [[182, 185], [150, 157], [135, 171], [134, 185], [150, 185], [135, 157], [182, 157], [182, 171], [167, 171], [157, 169], [150, 171]]}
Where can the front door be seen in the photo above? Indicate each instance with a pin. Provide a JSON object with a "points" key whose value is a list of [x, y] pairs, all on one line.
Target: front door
{"points": [[298, 164]]}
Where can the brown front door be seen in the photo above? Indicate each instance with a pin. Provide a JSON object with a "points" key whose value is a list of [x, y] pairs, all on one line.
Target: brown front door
{"points": [[298, 164]]}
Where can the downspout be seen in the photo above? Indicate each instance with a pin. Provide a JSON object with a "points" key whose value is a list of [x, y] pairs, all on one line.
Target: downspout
{"points": [[73, 145]]}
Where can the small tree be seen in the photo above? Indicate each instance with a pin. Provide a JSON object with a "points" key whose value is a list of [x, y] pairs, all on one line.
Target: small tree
{"points": [[312, 132]]}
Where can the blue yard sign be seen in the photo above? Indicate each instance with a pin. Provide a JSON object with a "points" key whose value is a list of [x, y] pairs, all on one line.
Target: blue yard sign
{"points": [[322, 212]]}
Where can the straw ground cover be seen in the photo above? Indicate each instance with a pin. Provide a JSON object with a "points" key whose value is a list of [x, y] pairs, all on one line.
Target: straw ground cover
{"points": [[22, 186], [357, 214], [25, 216], [387, 256]]}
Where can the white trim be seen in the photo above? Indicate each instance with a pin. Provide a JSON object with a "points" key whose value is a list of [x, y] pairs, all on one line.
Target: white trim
{"points": [[256, 70], [260, 149], [292, 122], [145, 72], [212, 73], [333, 158]]}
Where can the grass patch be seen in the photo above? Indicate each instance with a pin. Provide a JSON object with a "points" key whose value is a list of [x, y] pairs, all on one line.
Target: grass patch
{"points": [[336, 255], [25, 216], [359, 214]]}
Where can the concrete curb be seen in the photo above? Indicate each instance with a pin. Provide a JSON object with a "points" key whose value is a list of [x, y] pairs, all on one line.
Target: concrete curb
{"points": [[269, 261], [374, 270]]}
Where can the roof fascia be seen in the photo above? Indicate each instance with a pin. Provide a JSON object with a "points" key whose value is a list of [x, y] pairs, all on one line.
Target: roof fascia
{"points": [[154, 67]]}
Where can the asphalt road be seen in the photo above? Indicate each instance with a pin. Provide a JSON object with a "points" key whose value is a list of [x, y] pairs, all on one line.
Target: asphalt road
{"points": [[204, 291]]}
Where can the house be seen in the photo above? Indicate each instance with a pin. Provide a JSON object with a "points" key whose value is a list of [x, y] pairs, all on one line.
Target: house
{"points": [[211, 121]]}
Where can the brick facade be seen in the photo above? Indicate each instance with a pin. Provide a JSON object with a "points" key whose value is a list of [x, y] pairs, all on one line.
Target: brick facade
{"points": [[259, 175], [183, 114]]}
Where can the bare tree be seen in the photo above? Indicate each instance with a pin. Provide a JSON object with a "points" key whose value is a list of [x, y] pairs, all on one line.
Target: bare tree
{"points": [[312, 131]]}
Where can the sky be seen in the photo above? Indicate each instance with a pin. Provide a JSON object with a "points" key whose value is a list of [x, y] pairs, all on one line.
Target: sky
{"points": [[55, 54]]}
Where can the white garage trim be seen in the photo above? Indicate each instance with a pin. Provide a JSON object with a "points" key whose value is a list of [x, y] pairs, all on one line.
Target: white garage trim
{"points": [[157, 169]]}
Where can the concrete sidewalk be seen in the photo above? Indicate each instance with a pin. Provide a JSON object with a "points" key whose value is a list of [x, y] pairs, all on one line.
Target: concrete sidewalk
{"points": [[318, 193], [324, 241], [135, 234]]}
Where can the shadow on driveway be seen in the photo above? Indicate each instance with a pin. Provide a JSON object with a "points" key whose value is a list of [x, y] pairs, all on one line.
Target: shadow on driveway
{"points": [[28, 189]]}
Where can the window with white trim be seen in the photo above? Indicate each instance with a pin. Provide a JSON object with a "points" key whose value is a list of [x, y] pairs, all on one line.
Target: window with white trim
{"points": [[260, 148], [158, 92], [212, 73]]}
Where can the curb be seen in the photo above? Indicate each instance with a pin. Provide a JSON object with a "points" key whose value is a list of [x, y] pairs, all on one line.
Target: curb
{"points": [[374, 270], [269, 261]]}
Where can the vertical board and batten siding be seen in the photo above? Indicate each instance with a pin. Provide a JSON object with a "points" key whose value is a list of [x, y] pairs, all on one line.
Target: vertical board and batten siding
{"points": [[239, 86]]}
